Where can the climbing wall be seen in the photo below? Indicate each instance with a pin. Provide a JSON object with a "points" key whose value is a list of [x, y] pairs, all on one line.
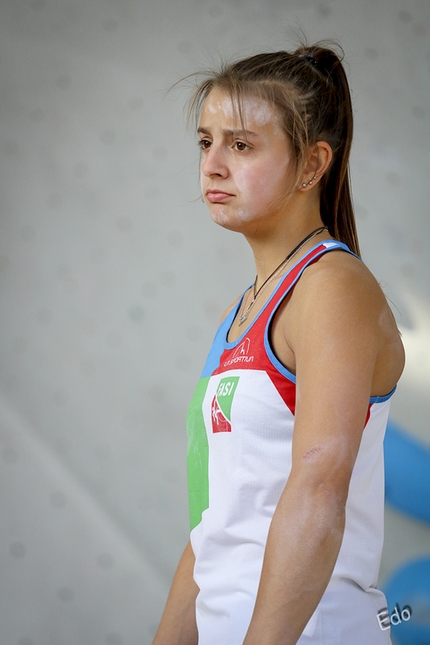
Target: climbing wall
{"points": [[113, 279]]}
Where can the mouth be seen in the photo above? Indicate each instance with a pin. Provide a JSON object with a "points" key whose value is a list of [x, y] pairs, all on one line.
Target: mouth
{"points": [[217, 196]]}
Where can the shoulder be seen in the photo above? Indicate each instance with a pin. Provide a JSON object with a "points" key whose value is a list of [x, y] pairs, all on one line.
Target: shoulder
{"points": [[339, 312], [340, 282], [338, 301]]}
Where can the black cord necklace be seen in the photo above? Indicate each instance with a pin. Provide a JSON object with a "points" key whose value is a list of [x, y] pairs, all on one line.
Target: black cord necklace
{"points": [[256, 292]]}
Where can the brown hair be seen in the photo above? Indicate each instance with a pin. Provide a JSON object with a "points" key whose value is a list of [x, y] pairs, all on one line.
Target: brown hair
{"points": [[310, 90]]}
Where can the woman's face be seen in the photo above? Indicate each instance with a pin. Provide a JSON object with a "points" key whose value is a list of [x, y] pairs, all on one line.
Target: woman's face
{"points": [[245, 174]]}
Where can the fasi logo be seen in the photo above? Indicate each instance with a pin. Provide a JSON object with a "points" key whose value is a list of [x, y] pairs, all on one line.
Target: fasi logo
{"points": [[221, 404]]}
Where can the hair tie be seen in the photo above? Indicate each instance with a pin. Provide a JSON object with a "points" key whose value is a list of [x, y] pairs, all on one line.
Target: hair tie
{"points": [[311, 59]]}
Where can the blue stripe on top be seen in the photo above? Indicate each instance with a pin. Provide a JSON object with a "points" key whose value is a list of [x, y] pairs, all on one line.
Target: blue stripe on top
{"points": [[330, 245], [220, 342], [218, 345], [381, 399]]}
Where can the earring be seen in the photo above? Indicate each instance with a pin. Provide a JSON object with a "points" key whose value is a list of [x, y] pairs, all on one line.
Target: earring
{"points": [[309, 182]]}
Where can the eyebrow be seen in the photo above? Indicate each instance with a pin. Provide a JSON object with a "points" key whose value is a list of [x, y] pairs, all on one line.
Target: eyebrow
{"points": [[245, 134]]}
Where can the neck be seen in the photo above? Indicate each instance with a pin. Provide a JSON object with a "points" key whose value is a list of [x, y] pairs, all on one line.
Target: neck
{"points": [[273, 239], [270, 251]]}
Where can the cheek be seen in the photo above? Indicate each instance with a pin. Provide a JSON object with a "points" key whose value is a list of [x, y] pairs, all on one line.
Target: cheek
{"points": [[259, 188], [249, 186], [279, 175]]}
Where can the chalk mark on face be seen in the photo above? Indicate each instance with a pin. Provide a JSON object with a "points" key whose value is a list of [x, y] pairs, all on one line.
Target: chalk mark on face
{"points": [[257, 174]]}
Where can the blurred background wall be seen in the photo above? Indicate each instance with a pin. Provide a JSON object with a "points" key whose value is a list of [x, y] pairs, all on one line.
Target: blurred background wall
{"points": [[113, 278]]}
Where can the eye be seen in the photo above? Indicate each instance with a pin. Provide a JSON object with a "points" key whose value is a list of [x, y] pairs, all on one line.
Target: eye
{"points": [[241, 146], [204, 144]]}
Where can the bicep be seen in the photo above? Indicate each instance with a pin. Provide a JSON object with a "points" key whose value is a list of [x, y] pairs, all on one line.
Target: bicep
{"points": [[335, 342]]}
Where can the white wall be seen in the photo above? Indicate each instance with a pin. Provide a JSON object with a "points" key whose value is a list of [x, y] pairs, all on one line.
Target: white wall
{"points": [[113, 279]]}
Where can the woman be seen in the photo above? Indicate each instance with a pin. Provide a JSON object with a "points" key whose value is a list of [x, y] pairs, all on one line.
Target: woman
{"points": [[286, 425]]}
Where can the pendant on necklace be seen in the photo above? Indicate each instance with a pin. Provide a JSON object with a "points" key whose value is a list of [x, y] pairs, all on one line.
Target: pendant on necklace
{"points": [[242, 319], [244, 316]]}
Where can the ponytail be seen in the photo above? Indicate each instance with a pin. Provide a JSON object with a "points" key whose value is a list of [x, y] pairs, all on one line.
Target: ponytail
{"points": [[336, 205]]}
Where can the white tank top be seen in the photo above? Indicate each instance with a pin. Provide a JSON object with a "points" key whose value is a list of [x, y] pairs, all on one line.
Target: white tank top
{"points": [[240, 427]]}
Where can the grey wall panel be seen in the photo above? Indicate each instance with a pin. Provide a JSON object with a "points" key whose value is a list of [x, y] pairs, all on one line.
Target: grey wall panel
{"points": [[113, 279]]}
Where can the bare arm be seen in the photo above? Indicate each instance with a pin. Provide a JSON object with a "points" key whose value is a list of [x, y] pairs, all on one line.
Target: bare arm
{"points": [[178, 623], [299, 559], [336, 337]]}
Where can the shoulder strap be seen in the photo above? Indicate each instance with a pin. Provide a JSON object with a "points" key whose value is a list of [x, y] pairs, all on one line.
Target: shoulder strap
{"points": [[258, 325], [290, 279]]}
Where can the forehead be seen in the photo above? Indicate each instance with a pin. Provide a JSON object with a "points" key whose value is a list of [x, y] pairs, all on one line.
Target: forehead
{"points": [[251, 110]]}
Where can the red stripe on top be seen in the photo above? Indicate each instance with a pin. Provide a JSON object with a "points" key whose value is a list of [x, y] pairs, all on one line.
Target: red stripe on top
{"points": [[250, 353], [369, 407]]}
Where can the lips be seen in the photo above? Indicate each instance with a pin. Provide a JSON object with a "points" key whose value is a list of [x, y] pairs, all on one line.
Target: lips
{"points": [[214, 196]]}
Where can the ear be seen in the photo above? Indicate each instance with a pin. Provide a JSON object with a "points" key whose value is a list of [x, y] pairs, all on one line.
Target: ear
{"points": [[319, 160]]}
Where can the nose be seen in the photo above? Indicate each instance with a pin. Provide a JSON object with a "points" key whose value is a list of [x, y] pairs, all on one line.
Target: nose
{"points": [[214, 162]]}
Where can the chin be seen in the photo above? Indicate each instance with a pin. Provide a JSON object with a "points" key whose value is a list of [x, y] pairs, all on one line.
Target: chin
{"points": [[228, 222], [231, 220]]}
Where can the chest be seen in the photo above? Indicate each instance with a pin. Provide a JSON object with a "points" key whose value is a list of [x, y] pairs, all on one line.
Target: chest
{"points": [[277, 331]]}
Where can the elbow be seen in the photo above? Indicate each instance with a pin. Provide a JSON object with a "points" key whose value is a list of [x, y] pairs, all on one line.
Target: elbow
{"points": [[326, 511], [331, 499], [324, 498]]}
